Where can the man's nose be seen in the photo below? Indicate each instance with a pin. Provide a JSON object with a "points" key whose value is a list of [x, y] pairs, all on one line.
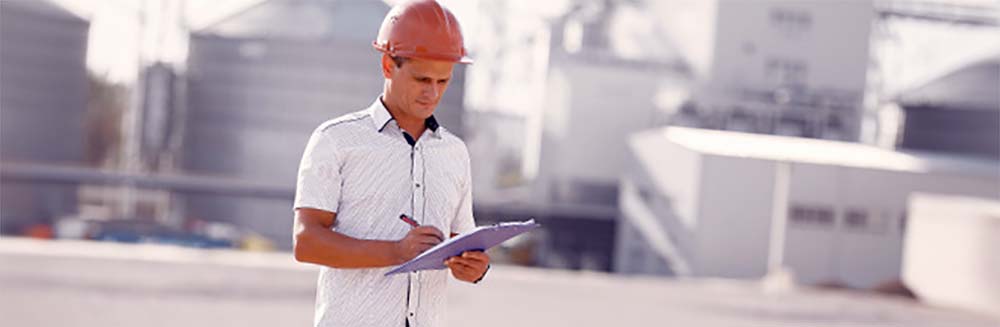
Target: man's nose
{"points": [[434, 90]]}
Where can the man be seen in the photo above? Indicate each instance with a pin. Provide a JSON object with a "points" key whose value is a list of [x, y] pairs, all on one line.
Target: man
{"points": [[362, 172]]}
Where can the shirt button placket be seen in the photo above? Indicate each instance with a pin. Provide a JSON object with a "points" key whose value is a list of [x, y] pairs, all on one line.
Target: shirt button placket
{"points": [[418, 185], [418, 206], [411, 306]]}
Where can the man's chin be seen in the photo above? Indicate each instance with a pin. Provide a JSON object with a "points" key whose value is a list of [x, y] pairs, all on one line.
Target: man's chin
{"points": [[425, 110]]}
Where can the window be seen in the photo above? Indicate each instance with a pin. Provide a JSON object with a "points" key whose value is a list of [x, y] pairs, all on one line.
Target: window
{"points": [[789, 21], [861, 220], [786, 71], [856, 218], [810, 216]]}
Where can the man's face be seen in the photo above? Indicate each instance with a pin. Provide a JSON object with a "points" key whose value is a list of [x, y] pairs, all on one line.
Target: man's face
{"points": [[416, 88]]}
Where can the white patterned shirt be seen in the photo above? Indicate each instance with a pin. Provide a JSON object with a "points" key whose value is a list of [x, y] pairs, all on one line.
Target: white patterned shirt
{"points": [[363, 167]]}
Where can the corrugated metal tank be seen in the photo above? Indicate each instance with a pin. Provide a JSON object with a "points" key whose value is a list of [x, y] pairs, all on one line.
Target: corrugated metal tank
{"points": [[957, 113], [259, 83], [43, 77]]}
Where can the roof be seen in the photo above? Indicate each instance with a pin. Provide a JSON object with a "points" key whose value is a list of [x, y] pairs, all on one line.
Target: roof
{"points": [[970, 87], [41, 7], [820, 152], [303, 19]]}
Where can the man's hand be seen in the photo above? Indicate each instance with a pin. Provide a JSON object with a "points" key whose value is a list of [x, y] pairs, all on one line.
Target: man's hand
{"points": [[416, 241], [469, 266]]}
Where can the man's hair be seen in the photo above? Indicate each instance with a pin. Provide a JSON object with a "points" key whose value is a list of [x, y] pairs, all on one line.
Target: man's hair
{"points": [[399, 60]]}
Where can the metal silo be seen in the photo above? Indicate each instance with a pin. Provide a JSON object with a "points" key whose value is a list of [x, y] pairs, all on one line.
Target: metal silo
{"points": [[43, 78], [957, 113], [259, 82]]}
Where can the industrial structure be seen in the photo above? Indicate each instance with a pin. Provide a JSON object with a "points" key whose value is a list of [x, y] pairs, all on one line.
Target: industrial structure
{"points": [[957, 113], [768, 66], [258, 83], [43, 103], [572, 85], [697, 202], [709, 203]]}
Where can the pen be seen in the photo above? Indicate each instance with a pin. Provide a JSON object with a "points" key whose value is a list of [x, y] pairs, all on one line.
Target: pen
{"points": [[408, 220]]}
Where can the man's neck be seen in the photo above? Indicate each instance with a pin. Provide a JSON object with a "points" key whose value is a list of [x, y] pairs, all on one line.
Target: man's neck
{"points": [[414, 126], [415, 129]]}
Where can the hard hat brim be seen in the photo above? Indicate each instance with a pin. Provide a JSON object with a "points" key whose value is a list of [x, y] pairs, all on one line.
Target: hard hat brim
{"points": [[424, 55]]}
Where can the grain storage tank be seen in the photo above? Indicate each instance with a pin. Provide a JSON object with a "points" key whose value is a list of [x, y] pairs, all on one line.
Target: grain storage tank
{"points": [[259, 82], [43, 78]]}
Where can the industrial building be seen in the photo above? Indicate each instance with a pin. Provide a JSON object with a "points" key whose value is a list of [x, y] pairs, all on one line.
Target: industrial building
{"points": [[794, 68], [573, 83], [710, 203], [43, 103], [957, 113]]}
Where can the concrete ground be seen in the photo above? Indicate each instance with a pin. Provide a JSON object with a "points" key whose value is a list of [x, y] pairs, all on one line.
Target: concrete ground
{"points": [[89, 284]]}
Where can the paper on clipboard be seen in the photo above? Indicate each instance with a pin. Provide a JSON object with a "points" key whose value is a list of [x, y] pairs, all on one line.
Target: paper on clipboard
{"points": [[481, 238]]}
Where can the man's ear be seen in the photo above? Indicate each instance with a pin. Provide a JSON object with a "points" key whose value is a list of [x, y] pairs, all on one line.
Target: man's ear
{"points": [[388, 66]]}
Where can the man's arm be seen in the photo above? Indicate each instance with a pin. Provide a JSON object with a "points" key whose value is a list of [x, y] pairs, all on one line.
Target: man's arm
{"points": [[315, 242]]}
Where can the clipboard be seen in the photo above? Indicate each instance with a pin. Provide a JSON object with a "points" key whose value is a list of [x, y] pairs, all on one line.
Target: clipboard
{"points": [[479, 239]]}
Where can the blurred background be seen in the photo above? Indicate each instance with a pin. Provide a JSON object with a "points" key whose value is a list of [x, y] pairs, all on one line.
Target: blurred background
{"points": [[692, 162]]}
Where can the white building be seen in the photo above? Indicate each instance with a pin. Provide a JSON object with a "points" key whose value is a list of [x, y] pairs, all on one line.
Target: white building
{"points": [[951, 252], [594, 102], [583, 77], [795, 68], [563, 85], [701, 203]]}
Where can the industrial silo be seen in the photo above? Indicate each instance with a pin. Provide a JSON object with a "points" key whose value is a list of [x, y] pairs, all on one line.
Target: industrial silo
{"points": [[43, 79], [260, 81], [957, 113]]}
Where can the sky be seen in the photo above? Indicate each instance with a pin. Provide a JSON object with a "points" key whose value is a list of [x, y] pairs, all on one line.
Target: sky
{"points": [[116, 24], [116, 36]]}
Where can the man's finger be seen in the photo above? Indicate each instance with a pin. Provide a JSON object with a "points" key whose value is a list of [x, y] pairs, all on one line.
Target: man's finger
{"points": [[462, 272], [477, 264], [430, 231], [476, 256], [474, 265], [458, 262], [428, 239]]}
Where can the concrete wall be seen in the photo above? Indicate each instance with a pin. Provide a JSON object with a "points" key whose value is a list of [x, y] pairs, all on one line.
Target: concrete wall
{"points": [[591, 108], [810, 247], [734, 217], [950, 258]]}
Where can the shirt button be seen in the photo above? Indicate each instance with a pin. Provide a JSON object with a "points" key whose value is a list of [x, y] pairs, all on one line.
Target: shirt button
{"points": [[418, 184], [411, 314]]}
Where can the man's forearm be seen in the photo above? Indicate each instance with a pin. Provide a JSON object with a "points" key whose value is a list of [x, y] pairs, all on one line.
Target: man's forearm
{"points": [[330, 248]]}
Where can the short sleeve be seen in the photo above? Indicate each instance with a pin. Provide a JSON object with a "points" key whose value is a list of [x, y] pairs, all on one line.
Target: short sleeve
{"points": [[319, 183], [463, 221]]}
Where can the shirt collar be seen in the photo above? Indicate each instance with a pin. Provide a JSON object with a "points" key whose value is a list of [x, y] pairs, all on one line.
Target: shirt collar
{"points": [[381, 118]]}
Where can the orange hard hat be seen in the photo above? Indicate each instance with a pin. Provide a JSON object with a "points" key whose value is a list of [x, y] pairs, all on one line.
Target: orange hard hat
{"points": [[422, 29]]}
